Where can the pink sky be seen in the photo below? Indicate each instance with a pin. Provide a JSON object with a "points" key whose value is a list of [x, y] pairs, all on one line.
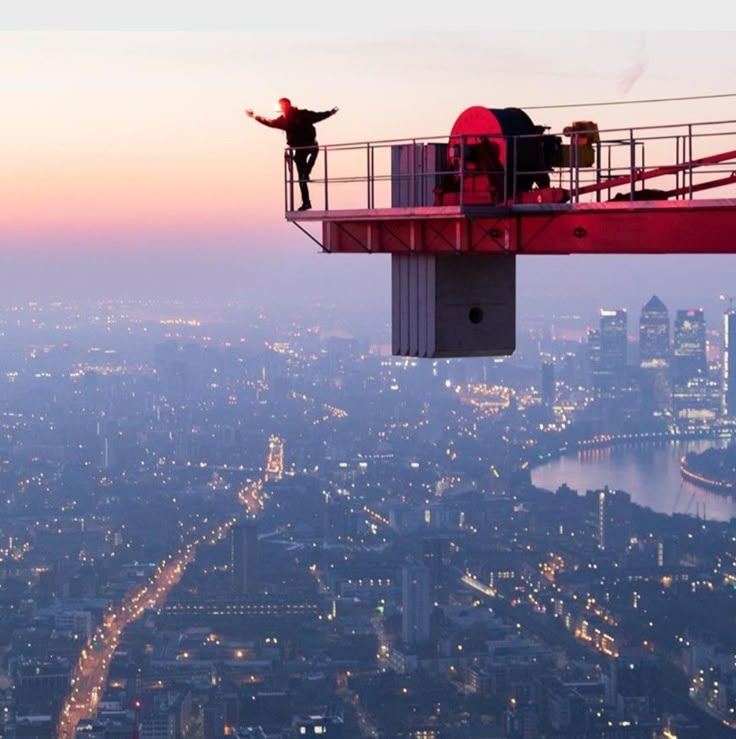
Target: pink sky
{"points": [[104, 131]]}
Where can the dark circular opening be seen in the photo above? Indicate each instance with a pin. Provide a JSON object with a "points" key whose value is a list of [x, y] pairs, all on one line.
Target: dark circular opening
{"points": [[475, 314]]}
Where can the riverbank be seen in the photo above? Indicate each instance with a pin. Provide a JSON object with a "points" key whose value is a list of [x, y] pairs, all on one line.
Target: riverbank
{"points": [[648, 470], [704, 480]]}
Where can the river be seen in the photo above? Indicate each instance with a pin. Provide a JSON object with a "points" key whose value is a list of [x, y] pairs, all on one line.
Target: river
{"points": [[649, 472]]}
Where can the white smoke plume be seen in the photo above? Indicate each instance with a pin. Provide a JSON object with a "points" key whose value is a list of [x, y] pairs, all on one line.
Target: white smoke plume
{"points": [[632, 74]]}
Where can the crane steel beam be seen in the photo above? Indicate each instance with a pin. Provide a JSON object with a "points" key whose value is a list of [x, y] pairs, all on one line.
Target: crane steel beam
{"points": [[639, 227]]}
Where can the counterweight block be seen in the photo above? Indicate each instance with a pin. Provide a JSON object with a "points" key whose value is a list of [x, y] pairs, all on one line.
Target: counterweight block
{"points": [[444, 305]]}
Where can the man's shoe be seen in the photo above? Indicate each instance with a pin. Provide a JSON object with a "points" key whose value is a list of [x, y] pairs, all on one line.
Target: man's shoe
{"points": [[305, 206]]}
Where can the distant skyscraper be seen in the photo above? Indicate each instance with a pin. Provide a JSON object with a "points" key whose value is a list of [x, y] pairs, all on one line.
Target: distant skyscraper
{"points": [[688, 356], [433, 556], [607, 349], [594, 349], [416, 603], [614, 516], [654, 334], [106, 454], [244, 557], [729, 364], [614, 324], [696, 398], [548, 383]]}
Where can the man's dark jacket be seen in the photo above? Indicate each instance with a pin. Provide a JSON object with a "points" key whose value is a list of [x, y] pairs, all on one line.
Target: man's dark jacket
{"points": [[298, 124]]}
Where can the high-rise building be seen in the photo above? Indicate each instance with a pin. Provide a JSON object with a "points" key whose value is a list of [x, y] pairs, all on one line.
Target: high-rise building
{"points": [[434, 552], [244, 557], [654, 335], [692, 390], [688, 356], [614, 325], [416, 603], [594, 349], [548, 383], [607, 348], [614, 519], [729, 364]]}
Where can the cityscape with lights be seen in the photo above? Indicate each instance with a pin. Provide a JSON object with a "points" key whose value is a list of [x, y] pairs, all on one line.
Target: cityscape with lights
{"points": [[216, 522]]}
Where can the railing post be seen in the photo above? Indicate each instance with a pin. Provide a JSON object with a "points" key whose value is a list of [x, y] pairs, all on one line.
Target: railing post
{"points": [[514, 169], [462, 170], [504, 173], [690, 159], [576, 161], [571, 167], [327, 189], [368, 168], [598, 168], [643, 158], [290, 154], [373, 179], [632, 163], [413, 181]]}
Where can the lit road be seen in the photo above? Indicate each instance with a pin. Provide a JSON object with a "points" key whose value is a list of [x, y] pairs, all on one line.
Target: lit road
{"points": [[90, 674]]}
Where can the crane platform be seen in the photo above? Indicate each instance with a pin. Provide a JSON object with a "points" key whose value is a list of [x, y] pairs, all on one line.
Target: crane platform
{"points": [[639, 227], [499, 186]]}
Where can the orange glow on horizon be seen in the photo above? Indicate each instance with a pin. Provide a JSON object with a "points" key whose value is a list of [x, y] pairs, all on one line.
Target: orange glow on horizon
{"points": [[116, 130]]}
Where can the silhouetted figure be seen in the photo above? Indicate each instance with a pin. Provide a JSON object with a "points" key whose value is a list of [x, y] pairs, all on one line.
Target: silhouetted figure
{"points": [[301, 136]]}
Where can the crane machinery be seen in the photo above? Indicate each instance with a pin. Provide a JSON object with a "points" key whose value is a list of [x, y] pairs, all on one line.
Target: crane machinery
{"points": [[454, 212]]}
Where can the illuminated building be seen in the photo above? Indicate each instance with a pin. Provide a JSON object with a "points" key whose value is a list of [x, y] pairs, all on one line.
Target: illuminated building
{"points": [[692, 393], [613, 338], [275, 463], [250, 607], [244, 557], [416, 603], [548, 383], [608, 350], [318, 725], [688, 357], [729, 364], [654, 335], [614, 515], [433, 555]]}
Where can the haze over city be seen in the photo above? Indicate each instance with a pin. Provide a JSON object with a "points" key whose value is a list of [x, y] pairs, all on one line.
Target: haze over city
{"points": [[252, 489]]}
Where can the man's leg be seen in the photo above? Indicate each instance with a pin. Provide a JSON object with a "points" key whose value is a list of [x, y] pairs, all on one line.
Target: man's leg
{"points": [[312, 155], [300, 159]]}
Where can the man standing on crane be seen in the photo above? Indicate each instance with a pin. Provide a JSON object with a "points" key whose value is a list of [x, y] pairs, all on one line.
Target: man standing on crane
{"points": [[301, 136]]}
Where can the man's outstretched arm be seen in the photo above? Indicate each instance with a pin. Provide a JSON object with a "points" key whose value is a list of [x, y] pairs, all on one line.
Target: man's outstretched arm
{"points": [[270, 122], [317, 117]]}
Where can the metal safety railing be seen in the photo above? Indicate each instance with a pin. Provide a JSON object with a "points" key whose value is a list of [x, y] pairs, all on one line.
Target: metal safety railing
{"points": [[681, 159]]}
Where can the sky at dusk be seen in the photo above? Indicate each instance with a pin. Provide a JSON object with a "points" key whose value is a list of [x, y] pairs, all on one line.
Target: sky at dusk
{"points": [[128, 167]]}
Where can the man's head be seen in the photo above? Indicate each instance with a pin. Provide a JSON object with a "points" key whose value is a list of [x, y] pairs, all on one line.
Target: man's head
{"points": [[284, 105]]}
